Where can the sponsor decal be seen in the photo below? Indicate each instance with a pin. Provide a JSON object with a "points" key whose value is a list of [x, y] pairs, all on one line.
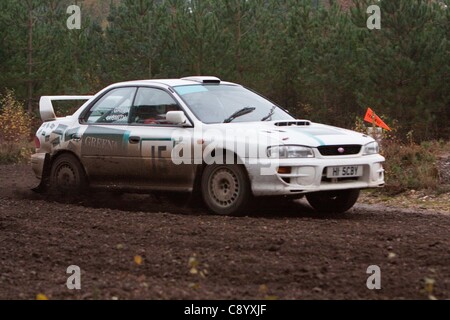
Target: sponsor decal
{"points": [[101, 141], [60, 130], [69, 133]]}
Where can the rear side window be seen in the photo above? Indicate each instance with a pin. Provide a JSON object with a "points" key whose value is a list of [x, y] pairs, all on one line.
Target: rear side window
{"points": [[113, 108]]}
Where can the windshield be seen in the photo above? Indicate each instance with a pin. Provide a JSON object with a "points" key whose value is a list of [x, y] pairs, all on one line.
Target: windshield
{"points": [[228, 103]]}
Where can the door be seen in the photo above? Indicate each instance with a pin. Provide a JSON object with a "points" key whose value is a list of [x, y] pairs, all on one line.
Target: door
{"points": [[152, 139], [104, 142]]}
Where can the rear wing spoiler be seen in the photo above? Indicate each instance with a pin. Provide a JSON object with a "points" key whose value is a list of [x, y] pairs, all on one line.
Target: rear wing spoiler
{"points": [[46, 107]]}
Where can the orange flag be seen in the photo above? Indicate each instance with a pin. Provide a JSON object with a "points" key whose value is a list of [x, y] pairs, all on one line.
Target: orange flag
{"points": [[373, 118]]}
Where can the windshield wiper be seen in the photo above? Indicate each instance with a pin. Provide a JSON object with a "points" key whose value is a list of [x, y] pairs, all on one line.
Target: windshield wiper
{"points": [[271, 113], [239, 113]]}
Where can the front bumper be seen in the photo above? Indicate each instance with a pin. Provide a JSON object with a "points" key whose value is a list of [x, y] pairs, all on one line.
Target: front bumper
{"points": [[308, 175]]}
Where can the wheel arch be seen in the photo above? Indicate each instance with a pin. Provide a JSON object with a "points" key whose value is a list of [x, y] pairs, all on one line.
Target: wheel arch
{"points": [[227, 154], [58, 154]]}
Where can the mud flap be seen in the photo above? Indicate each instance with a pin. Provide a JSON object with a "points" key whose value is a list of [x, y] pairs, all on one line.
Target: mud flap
{"points": [[195, 199], [45, 179]]}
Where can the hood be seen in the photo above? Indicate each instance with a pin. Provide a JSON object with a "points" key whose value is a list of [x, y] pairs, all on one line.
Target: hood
{"points": [[303, 132], [315, 135]]}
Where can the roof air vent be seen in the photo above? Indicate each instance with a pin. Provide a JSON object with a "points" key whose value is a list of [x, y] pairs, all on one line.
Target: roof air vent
{"points": [[204, 80]]}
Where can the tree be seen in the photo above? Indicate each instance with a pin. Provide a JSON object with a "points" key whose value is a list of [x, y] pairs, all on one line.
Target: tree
{"points": [[238, 21], [330, 74], [407, 66], [309, 56], [195, 34], [41, 55], [134, 39]]}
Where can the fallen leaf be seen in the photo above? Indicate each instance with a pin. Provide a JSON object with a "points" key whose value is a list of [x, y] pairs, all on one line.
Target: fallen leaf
{"points": [[138, 260], [392, 255], [41, 296], [203, 273], [429, 285], [263, 288], [194, 286], [193, 262], [193, 271]]}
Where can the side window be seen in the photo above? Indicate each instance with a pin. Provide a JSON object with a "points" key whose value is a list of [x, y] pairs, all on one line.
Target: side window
{"points": [[113, 108], [151, 106]]}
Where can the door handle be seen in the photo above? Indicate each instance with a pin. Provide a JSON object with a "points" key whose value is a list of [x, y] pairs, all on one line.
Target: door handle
{"points": [[134, 140]]}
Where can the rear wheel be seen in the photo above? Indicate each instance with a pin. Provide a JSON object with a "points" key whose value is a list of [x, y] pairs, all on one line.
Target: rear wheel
{"points": [[338, 201], [67, 175], [226, 189]]}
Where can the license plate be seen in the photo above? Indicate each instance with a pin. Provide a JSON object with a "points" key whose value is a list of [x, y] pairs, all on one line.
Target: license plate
{"points": [[344, 172]]}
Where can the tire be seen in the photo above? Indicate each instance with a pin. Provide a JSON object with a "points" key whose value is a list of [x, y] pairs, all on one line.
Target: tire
{"points": [[226, 189], [67, 175], [338, 201]]}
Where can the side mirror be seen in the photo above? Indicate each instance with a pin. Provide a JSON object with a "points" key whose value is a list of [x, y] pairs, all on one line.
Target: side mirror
{"points": [[176, 117]]}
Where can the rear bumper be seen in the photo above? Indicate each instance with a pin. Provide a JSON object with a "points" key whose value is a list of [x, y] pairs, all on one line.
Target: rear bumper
{"points": [[38, 164], [308, 175]]}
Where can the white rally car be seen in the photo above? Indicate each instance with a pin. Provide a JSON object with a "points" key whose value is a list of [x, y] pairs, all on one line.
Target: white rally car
{"points": [[201, 134]]}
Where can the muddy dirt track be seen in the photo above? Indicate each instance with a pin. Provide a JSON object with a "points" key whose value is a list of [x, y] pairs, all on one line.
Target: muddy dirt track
{"points": [[282, 251]]}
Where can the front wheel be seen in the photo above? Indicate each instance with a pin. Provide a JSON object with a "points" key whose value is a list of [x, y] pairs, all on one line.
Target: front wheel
{"points": [[67, 175], [338, 201], [226, 189]]}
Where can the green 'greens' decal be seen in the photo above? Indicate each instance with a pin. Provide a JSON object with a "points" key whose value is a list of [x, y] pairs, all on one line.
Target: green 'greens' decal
{"points": [[101, 141]]}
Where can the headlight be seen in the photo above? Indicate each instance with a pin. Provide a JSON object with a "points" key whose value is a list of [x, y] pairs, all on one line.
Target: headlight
{"points": [[286, 152], [371, 148]]}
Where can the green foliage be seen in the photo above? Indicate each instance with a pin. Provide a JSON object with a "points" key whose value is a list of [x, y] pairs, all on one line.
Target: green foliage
{"points": [[63, 61], [15, 153], [135, 39], [411, 166], [407, 66], [311, 57], [14, 130], [15, 121]]}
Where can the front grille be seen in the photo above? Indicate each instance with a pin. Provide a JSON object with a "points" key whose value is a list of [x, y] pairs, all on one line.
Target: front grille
{"points": [[344, 150]]}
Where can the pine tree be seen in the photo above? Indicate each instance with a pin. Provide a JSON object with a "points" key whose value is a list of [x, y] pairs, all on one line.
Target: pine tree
{"points": [[407, 65], [135, 39], [195, 34], [41, 56]]}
